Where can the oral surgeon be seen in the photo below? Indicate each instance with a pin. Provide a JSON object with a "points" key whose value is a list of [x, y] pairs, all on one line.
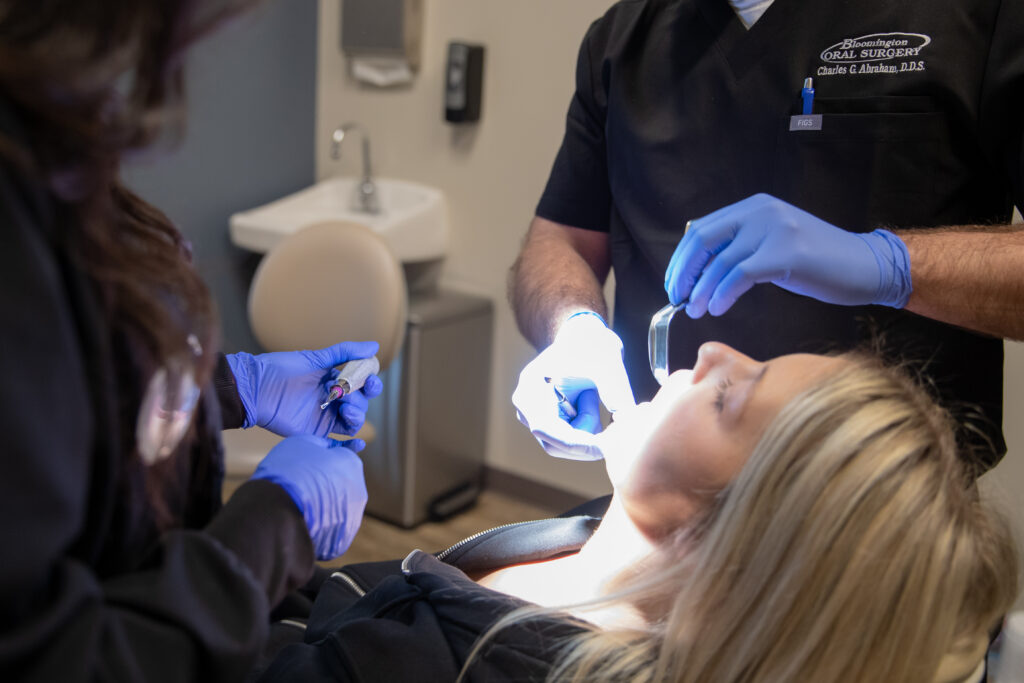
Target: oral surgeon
{"points": [[798, 177]]}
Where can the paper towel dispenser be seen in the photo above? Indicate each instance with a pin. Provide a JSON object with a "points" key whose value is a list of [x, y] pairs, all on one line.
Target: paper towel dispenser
{"points": [[382, 38]]}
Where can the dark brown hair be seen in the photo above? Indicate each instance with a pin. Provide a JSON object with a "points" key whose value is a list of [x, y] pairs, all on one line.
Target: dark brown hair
{"points": [[91, 81]]}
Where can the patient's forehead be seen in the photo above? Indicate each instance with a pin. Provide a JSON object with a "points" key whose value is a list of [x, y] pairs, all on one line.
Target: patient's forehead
{"points": [[788, 376], [800, 371]]}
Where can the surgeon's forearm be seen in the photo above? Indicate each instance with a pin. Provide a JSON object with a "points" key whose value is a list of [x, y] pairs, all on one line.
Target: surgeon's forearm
{"points": [[560, 270], [971, 276]]}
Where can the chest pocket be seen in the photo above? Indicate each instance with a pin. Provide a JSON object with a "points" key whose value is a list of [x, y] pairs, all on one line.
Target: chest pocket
{"points": [[876, 161]]}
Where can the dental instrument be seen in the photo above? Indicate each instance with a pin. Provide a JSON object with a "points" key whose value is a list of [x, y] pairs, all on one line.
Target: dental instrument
{"points": [[351, 377], [563, 402], [657, 341]]}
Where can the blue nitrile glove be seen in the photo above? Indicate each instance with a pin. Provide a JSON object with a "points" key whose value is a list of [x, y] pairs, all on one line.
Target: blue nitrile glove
{"points": [[764, 239], [325, 479], [583, 362], [282, 391]]}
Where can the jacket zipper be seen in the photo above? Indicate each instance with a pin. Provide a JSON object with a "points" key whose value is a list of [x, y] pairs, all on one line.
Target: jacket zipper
{"points": [[294, 622], [448, 551], [350, 582]]}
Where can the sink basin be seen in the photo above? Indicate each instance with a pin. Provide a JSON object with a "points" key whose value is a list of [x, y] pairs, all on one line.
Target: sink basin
{"points": [[413, 218]]}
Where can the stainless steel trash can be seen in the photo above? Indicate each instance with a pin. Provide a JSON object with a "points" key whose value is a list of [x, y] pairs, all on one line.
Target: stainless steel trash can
{"points": [[426, 457]]}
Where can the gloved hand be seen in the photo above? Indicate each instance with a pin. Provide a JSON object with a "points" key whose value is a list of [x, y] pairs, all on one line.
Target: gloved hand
{"points": [[764, 239], [584, 362], [282, 391], [325, 479]]}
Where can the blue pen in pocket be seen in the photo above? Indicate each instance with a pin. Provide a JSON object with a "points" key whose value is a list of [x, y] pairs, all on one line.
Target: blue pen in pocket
{"points": [[807, 94]]}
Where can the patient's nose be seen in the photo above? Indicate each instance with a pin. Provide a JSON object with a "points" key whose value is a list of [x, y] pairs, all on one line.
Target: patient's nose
{"points": [[721, 357]]}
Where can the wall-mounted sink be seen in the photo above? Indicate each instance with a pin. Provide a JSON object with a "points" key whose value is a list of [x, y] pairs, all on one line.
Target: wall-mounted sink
{"points": [[413, 218]]}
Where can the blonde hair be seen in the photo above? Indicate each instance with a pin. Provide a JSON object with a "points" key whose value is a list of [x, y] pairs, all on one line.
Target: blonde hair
{"points": [[851, 547]]}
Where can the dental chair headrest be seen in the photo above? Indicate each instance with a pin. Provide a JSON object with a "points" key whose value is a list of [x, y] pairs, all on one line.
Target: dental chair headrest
{"points": [[329, 282]]}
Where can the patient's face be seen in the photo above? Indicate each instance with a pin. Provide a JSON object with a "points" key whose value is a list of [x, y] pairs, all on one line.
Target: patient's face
{"points": [[668, 458]]}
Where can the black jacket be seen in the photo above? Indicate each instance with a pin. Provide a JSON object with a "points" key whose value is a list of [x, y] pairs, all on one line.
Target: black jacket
{"points": [[416, 620], [90, 588]]}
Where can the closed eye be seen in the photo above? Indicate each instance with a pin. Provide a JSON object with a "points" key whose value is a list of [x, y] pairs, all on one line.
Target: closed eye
{"points": [[720, 390]]}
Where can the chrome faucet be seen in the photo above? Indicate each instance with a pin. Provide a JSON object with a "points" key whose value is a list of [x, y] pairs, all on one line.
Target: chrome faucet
{"points": [[366, 192]]}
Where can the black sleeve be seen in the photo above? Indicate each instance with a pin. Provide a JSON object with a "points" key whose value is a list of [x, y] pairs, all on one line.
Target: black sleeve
{"points": [[264, 528], [197, 608], [232, 411], [1002, 98], [578, 193]]}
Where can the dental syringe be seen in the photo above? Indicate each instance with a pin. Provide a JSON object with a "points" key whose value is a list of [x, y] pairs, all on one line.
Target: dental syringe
{"points": [[351, 377]]}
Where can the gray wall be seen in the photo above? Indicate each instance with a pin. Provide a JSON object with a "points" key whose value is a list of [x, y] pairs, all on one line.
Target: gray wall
{"points": [[251, 113]]}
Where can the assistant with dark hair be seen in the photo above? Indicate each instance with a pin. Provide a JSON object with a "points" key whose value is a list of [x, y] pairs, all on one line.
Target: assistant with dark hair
{"points": [[120, 561]]}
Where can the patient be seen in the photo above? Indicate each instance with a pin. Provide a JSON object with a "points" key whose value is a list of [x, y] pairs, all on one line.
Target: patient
{"points": [[804, 519]]}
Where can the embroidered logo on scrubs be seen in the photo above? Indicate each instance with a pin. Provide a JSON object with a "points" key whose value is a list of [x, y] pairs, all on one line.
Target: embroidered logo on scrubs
{"points": [[875, 53]]}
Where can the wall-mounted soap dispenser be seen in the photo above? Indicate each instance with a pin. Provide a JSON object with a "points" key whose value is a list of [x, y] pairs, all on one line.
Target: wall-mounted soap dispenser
{"points": [[463, 86], [381, 39]]}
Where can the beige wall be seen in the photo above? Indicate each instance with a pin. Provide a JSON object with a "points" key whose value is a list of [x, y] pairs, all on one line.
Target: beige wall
{"points": [[1005, 484], [493, 174]]}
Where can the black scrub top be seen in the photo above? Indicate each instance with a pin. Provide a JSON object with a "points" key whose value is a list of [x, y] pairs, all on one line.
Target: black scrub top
{"points": [[679, 110]]}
